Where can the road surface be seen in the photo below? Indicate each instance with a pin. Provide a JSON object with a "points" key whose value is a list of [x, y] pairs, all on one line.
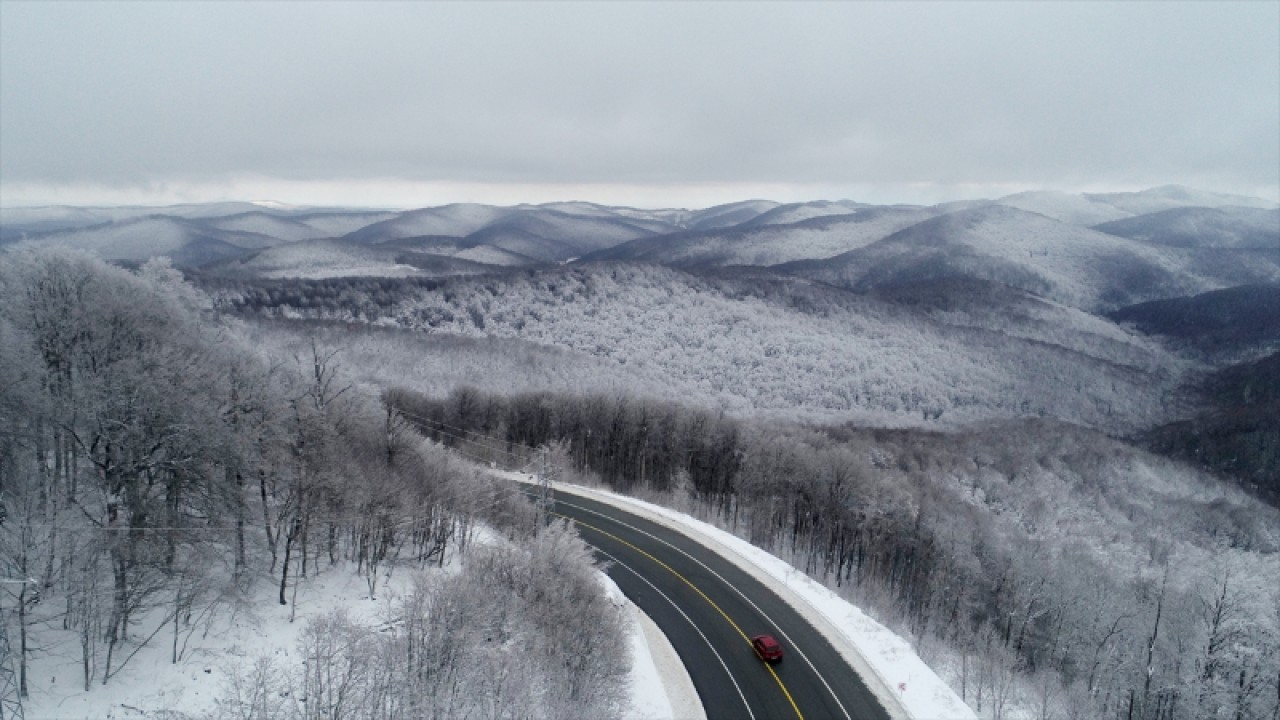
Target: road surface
{"points": [[709, 609]]}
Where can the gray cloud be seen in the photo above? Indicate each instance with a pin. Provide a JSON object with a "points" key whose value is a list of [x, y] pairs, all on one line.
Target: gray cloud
{"points": [[832, 95]]}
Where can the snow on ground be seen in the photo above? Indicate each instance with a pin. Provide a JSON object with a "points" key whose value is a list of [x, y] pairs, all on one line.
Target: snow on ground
{"points": [[659, 681], [1069, 208], [905, 685], [323, 273], [800, 212], [151, 686]]}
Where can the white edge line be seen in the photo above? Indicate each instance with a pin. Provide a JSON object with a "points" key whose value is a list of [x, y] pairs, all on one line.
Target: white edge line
{"points": [[677, 686], [724, 665]]}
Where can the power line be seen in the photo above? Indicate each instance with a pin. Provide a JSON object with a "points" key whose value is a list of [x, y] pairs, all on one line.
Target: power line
{"points": [[473, 441], [532, 451], [441, 423], [544, 498]]}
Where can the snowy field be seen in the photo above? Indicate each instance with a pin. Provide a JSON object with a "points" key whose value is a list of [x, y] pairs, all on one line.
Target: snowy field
{"points": [[151, 686]]}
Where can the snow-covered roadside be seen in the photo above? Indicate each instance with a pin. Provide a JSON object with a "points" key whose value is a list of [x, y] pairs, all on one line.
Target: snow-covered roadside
{"points": [[659, 681], [907, 687], [151, 686]]}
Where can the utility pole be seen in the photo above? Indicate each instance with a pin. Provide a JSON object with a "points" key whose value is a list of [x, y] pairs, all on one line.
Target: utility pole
{"points": [[10, 697], [545, 499]]}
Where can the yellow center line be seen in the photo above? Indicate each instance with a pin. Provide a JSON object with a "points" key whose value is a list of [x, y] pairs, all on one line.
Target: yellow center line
{"points": [[698, 590]]}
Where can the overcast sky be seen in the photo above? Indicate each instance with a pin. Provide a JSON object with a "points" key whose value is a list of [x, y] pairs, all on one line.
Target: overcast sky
{"points": [[410, 104]]}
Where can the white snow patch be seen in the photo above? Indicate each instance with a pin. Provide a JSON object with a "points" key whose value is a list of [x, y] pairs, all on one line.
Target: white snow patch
{"points": [[273, 205], [151, 686], [323, 273], [660, 687]]}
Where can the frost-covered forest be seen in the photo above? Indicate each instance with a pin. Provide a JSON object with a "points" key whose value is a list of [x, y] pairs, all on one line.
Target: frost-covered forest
{"points": [[785, 347], [1036, 436], [155, 469]]}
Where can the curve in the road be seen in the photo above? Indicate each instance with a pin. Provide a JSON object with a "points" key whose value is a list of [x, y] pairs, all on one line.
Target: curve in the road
{"points": [[692, 624], [746, 638], [680, 583]]}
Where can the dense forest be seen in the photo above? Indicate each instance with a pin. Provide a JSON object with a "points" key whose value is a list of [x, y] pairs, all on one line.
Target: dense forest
{"points": [[1032, 562], [156, 471], [754, 342]]}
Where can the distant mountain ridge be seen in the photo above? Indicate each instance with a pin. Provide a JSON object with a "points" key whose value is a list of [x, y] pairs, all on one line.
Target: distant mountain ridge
{"points": [[1220, 321], [1227, 227], [1096, 208], [1067, 263], [1094, 251]]}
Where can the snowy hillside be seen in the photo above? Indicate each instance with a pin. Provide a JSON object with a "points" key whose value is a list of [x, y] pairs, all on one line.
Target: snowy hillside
{"points": [[654, 220], [69, 216], [1168, 197], [1072, 265], [1089, 209], [325, 258], [456, 220], [1225, 228], [969, 302], [539, 233], [282, 229], [461, 249], [752, 232], [771, 244], [336, 224], [551, 236], [136, 240], [799, 351], [797, 212], [728, 215], [1069, 208]]}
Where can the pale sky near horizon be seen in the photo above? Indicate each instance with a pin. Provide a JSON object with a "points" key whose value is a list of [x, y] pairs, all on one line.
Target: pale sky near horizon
{"points": [[690, 104]]}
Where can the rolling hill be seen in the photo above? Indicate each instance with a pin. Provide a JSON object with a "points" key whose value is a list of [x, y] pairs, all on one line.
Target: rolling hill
{"points": [[770, 244], [797, 212], [187, 242], [541, 234], [1076, 266], [762, 344], [1227, 322], [1070, 208], [1234, 228]]}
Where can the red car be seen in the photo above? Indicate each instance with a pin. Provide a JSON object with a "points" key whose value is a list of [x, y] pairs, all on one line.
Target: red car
{"points": [[767, 648]]}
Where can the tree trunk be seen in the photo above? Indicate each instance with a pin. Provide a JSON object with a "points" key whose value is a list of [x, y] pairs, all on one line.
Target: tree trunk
{"points": [[119, 614], [22, 636], [288, 549], [266, 519], [1151, 647], [241, 562]]}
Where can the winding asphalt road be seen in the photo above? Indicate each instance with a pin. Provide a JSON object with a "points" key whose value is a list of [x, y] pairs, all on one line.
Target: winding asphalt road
{"points": [[709, 608]]}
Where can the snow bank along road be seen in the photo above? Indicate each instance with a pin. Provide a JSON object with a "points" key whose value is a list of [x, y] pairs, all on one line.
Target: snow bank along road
{"points": [[708, 607]]}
